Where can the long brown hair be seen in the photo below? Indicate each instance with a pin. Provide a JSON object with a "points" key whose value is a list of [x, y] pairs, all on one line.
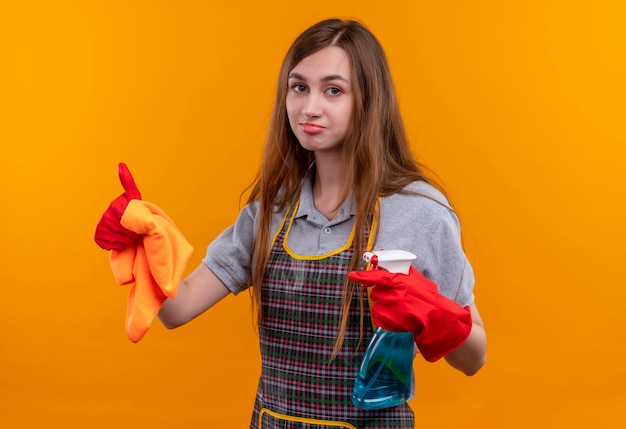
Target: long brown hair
{"points": [[378, 158]]}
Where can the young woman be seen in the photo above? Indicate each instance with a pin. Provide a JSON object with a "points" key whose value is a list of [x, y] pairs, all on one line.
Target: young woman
{"points": [[337, 178]]}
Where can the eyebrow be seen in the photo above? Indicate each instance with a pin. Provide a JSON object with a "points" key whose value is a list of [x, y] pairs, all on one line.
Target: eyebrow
{"points": [[324, 79]]}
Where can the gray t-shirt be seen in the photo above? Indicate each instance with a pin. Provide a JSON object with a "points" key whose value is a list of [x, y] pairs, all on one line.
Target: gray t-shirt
{"points": [[421, 224]]}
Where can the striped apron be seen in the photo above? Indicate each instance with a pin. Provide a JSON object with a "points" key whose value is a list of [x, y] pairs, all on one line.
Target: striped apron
{"points": [[300, 387]]}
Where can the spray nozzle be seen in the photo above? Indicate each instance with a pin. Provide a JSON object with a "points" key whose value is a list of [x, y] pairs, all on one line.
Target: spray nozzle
{"points": [[394, 261]]}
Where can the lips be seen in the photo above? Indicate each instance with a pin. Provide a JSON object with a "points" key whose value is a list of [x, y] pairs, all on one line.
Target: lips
{"points": [[311, 129]]}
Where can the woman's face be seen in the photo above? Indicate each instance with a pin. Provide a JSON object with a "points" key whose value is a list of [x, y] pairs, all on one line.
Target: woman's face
{"points": [[320, 99]]}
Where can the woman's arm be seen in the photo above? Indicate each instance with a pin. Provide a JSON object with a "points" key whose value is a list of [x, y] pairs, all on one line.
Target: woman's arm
{"points": [[196, 293], [471, 356]]}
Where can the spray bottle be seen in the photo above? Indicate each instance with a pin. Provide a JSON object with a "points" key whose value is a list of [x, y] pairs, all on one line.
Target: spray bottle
{"points": [[385, 378]]}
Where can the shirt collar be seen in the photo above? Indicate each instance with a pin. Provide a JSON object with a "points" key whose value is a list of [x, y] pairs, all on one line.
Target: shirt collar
{"points": [[307, 209]]}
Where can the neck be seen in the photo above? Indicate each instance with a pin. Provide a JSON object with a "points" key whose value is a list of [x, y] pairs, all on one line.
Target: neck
{"points": [[328, 187]]}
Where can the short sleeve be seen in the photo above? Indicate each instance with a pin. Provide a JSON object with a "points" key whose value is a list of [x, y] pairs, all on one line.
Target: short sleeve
{"points": [[228, 256], [447, 264]]}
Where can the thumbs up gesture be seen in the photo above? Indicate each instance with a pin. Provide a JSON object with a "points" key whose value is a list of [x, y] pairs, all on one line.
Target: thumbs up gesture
{"points": [[110, 234]]}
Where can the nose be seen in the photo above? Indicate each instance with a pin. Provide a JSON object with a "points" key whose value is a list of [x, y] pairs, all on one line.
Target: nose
{"points": [[312, 106]]}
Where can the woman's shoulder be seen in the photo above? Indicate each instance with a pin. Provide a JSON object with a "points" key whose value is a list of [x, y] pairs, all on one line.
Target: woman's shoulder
{"points": [[426, 190], [419, 195], [419, 204]]}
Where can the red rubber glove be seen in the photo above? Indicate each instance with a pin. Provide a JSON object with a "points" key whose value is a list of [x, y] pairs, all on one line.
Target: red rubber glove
{"points": [[110, 234], [412, 303]]}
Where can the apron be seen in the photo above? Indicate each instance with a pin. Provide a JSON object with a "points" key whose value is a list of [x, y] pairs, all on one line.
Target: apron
{"points": [[299, 386]]}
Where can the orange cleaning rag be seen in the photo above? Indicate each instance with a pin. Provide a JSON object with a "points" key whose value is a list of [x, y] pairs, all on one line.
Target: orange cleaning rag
{"points": [[153, 266]]}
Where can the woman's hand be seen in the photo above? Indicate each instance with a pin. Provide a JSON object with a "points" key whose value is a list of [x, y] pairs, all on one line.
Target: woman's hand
{"points": [[412, 303], [110, 234]]}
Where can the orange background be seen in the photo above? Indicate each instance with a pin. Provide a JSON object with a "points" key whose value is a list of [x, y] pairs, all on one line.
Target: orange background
{"points": [[518, 106]]}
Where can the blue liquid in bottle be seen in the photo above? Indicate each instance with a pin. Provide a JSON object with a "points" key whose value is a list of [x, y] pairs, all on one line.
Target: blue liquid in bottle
{"points": [[385, 378]]}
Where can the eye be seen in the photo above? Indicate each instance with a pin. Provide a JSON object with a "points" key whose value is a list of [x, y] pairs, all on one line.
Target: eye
{"points": [[298, 87], [334, 91]]}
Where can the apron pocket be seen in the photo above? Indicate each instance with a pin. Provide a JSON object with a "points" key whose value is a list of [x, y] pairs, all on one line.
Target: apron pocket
{"points": [[269, 420]]}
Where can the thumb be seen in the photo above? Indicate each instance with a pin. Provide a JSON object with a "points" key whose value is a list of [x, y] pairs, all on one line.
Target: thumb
{"points": [[132, 192]]}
